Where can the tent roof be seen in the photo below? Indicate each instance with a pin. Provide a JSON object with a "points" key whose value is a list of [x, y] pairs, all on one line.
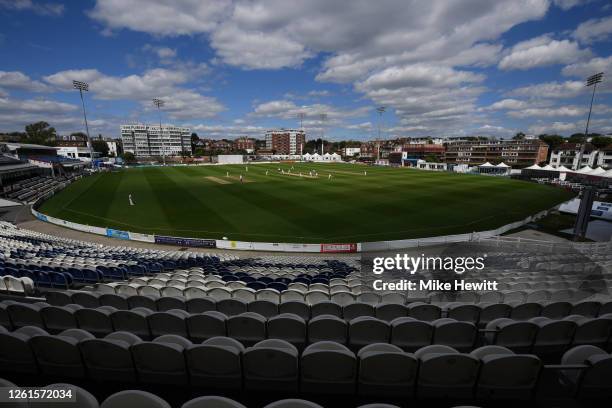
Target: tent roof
{"points": [[549, 167], [533, 167], [585, 170], [607, 174], [487, 164], [502, 164], [597, 171], [564, 169]]}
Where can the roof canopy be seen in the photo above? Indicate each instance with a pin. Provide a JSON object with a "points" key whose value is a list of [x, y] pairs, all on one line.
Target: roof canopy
{"points": [[598, 171], [564, 169], [487, 164], [502, 164], [585, 170], [549, 168], [533, 167]]}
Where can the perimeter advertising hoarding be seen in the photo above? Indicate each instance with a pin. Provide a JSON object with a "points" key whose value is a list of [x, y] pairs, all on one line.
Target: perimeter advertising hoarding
{"points": [[330, 248], [113, 233], [186, 242]]}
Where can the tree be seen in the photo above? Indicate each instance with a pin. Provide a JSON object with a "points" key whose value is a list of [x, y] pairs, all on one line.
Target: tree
{"points": [[100, 146], [40, 133], [128, 157], [577, 138], [519, 136], [431, 158], [601, 141]]}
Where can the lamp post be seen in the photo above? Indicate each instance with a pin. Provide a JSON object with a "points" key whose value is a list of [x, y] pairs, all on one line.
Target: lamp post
{"points": [[84, 86], [593, 80], [323, 117], [159, 103], [380, 110]]}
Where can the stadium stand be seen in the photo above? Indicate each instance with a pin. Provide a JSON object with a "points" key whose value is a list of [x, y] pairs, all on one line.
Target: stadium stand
{"points": [[299, 327]]}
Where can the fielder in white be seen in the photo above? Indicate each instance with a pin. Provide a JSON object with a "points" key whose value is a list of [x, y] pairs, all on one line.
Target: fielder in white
{"points": [[130, 198]]}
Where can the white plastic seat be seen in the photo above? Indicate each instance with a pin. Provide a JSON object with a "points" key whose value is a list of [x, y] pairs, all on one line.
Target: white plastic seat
{"points": [[244, 294], [313, 297], [271, 365], [134, 399], [216, 363], [328, 368], [385, 369], [270, 295]]}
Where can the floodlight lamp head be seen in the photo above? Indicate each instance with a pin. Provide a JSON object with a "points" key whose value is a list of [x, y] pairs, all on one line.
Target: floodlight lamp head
{"points": [[81, 86], [594, 79]]}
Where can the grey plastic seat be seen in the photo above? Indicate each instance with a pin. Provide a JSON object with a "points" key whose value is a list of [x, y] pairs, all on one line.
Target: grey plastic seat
{"points": [[212, 402], [59, 355], [288, 327], [216, 363], [86, 299], [556, 310], [445, 373], [206, 325], [464, 312], [200, 304], [505, 375], [231, 307], [134, 399], [553, 336], [14, 404], [390, 311], [16, 351], [293, 403], [271, 365], [327, 328], [367, 330], [411, 334], [586, 308], [492, 311], [326, 307], [160, 362], [248, 328], [357, 309], [595, 332], [96, 321], [169, 322], [525, 311], [110, 359], [117, 301], [594, 381], [299, 308], [167, 303], [148, 302], [83, 399], [59, 318], [25, 314], [516, 335], [328, 368], [264, 308], [386, 370], [459, 335], [58, 298], [133, 321], [424, 311]]}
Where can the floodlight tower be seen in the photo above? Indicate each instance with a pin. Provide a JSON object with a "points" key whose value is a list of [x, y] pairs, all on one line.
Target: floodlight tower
{"points": [[159, 103], [380, 110], [593, 80], [323, 117], [84, 86]]}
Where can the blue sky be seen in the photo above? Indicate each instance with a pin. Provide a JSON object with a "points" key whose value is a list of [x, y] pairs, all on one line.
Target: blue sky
{"points": [[235, 68]]}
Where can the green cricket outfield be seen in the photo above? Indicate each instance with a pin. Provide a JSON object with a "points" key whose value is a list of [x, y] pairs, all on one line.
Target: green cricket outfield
{"points": [[273, 206]]}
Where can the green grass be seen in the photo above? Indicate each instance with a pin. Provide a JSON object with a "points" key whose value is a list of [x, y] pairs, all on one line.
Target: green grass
{"points": [[386, 204]]}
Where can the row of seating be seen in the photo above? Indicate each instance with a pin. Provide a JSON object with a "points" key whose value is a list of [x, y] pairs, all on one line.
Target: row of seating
{"points": [[268, 304], [435, 371], [142, 399], [540, 335]]}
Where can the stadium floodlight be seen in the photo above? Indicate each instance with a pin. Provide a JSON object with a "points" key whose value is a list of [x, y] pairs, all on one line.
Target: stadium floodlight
{"points": [[323, 117], [159, 103], [301, 116], [380, 110], [84, 86], [593, 80]]}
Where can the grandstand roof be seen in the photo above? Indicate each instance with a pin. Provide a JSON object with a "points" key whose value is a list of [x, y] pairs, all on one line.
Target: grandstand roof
{"points": [[29, 146]]}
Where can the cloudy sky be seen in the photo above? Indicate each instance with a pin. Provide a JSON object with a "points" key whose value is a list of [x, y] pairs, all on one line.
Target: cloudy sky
{"points": [[230, 68]]}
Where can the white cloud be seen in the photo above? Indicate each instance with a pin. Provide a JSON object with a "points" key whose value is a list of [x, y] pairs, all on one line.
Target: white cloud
{"points": [[585, 69], [594, 30], [20, 81], [567, 89], [43, 9], [227, 132], [542, 51], [165, 54], [316, 93], [180, 103], [552, 112], [284, 109], [161, 17], [508, 104], [568, 4], [556, 127], [16, 113]]}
